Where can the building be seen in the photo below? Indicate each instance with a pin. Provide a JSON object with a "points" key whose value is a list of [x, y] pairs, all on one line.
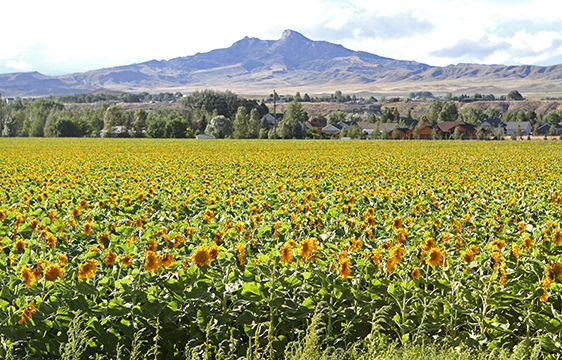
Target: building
{"points": [[523, 127]]}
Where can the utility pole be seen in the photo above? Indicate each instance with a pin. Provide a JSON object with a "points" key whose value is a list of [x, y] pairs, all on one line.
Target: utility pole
{"points": [[275, 110]]}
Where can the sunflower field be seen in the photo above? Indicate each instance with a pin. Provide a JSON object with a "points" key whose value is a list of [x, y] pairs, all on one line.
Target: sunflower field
{"points": [[217, 248]]}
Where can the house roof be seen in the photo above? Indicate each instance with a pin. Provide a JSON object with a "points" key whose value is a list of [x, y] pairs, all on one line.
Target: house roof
{"points": [[448, 126], [342, 125], [365, 125], [512, 125], [318, 122], [491, 122], [205, 136], [409, 122], [388, 126], [330, 129]]}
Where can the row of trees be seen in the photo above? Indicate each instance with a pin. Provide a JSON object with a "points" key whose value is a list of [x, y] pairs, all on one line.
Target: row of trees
{"points": [[222, 114]]}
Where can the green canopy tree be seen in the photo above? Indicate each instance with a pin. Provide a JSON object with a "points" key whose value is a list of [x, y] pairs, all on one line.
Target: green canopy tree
{"points": [[219, 126], [292, 124], [114, 116], [241, 123]]}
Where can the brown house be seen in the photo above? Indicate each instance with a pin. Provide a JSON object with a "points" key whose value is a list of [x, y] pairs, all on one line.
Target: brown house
{"points": [[447, 128], [423, 133]]}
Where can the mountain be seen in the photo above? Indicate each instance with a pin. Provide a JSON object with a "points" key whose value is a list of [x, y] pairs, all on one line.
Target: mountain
{"points": [[292, 63]]}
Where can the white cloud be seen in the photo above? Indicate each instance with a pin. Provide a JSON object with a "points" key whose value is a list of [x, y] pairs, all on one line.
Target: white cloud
{"points": [[62, 36], [17, 65]]}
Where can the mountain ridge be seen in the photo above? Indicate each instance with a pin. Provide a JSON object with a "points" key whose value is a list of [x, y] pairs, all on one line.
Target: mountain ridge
{"points": [[293, 62]]}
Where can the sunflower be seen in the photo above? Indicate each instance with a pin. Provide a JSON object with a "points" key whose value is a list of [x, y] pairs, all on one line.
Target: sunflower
{"points": [[345, 268], [306, 248], [38, 271], [376, 257], [27, 276], [201, 256], [214, 251], [63, 259], [241, 252], [397, 223], [19, 245], [166, 260], [467, 255], [2, 215], [87, 228], [435, 257], [53, 272], [126, 259], [110, 258], [527, 243], [515, 250], [286, 253], [28, 311], [151, 245], [87, 269], [151, 261], [416, 273]]}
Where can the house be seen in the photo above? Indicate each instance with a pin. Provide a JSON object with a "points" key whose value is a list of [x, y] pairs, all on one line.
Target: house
{"points": [[318, 122], [409, 122], [424, 132], [330, 130], [367, 127], [545, 129], [342, 125], [447, 128], [491, 124], [269, 119], [523, 127], [399, 134], [205, 136], [386, 127]]}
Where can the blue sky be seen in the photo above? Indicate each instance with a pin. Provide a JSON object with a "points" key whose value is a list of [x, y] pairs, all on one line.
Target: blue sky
{"points": [[64, 36]]}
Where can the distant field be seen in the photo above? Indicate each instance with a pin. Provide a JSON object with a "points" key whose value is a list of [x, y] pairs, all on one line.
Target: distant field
{"points": [[181, 249]]}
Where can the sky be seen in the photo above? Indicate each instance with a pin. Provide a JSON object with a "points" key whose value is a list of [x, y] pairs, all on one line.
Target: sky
{"points": [[65, 36]]}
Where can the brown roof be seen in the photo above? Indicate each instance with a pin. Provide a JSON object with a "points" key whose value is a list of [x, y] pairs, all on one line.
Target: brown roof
{"points": [[448, 126]]}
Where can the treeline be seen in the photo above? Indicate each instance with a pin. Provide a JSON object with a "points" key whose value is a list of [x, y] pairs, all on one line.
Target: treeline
{"points": [[124, 97], [202, 111], [222, 114]]}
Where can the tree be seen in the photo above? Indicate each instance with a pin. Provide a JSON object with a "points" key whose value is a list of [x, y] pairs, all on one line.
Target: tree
{"points": [[449, 112], [254, 124], [515, 95], [335, 117], [458, 134], [354, 132], [40, 110], [241, 124], [65, 127], [480, 134], [155, 126], [292, 124], [114, 116], [432, 114], [176, 128], [219, 126], [138, 127], [9, 127], [554, 117], [390, 115], [435, 135]]}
